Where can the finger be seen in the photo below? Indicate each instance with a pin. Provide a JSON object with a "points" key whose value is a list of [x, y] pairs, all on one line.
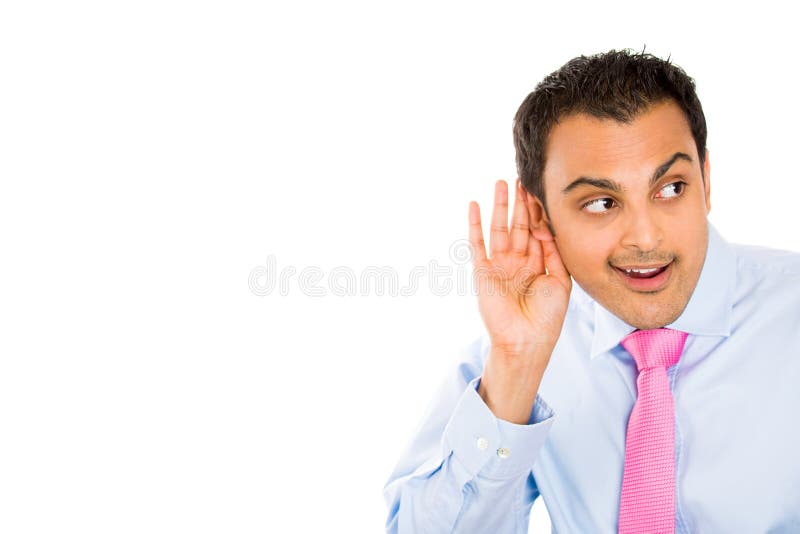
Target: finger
{"points": [[476, 234], [552, 260], [498, 236], [520, 231], [535, 255]]}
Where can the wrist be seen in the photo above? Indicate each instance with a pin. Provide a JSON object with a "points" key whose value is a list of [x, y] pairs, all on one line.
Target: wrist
{"points": [[509, 385]]}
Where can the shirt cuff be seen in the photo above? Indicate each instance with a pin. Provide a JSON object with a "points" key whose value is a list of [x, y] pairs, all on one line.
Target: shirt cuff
{"points": [[491, 447]]}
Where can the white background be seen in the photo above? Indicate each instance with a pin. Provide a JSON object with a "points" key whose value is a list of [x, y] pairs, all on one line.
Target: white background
{"points": [[153, 154]]}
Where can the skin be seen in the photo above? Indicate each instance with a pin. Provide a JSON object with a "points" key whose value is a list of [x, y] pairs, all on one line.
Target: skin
{"points": [[524, 282], [641, 224]]}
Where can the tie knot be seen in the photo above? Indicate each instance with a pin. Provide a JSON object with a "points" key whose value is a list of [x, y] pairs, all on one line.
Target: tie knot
{"points": [[660, 347]]}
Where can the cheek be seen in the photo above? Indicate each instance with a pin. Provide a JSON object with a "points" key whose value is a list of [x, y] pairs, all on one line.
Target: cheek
{"points": [[585, 253]]}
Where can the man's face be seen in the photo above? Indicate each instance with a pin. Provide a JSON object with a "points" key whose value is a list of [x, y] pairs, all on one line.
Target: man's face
{"points": [[655, 217]]}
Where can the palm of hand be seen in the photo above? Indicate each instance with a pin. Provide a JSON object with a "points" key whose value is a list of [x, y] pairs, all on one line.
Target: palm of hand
{"points": [[521, 303]]}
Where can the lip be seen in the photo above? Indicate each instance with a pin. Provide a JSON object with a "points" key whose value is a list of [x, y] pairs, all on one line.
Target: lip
{"points": [[653, 284], [653, 266]]}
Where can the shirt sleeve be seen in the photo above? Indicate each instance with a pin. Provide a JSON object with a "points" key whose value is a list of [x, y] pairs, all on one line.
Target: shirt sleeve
{"points": [[465, 470]]}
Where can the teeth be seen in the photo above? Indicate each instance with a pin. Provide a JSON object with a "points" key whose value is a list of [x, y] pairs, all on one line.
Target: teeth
{"points": [[643, 271]]}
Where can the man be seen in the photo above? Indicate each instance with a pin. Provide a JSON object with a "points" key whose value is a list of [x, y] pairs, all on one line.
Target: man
{"points": [[656, 393]]}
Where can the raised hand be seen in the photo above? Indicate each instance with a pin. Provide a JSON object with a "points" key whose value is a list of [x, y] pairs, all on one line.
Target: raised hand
{"points": [[521, 303]]}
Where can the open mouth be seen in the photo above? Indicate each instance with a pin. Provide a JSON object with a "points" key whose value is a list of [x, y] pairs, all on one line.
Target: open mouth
{"points": [[645, 278]]}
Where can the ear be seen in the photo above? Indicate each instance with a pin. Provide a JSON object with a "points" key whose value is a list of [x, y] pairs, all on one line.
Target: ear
{"points": [[538, 218], [707, 175]]}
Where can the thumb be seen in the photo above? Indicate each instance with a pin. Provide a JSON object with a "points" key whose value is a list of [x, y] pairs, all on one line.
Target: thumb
{"points": [[552, 261]]}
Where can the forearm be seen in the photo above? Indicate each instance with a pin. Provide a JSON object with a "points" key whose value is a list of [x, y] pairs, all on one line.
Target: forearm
{"points": [[451, 499], [479, 475]]}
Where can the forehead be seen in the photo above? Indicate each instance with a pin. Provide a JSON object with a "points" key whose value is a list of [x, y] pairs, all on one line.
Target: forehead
{"points": [[583, 144]]}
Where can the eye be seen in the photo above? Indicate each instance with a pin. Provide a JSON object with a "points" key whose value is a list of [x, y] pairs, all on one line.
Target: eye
{"points": [[598, 205], [673, 190]]}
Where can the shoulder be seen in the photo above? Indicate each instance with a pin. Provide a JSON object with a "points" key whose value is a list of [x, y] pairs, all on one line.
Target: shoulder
{"points": [[756, 259], [767, 275], [766, 302]]}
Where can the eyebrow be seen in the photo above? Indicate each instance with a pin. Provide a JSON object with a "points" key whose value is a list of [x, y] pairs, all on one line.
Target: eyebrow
{"points": [[604, 183]]}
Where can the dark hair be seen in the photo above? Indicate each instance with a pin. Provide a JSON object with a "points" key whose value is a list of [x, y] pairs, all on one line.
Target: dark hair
{"points": [[613, 85]]}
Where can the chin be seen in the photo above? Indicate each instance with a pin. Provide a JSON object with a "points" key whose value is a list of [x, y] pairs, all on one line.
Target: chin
{"points": [[641, 310], [648, 319], [649, 325]]}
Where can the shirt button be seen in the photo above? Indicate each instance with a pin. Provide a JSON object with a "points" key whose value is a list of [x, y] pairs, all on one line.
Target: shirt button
{"points": [[502, 452], [483, 444]]}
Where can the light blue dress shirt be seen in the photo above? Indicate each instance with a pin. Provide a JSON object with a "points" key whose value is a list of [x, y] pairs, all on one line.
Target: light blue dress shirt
{"points": [[736, 389]]}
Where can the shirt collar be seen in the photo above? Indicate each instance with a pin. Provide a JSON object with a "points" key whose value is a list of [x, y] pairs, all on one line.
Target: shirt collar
{"points": [[708, 312]]}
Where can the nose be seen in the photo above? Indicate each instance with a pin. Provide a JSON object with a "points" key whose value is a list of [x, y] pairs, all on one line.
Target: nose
{"points": [[642, 230]]}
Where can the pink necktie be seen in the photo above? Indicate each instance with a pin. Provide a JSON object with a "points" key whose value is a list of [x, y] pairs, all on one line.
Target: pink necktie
{"points": [[647, 503]]}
